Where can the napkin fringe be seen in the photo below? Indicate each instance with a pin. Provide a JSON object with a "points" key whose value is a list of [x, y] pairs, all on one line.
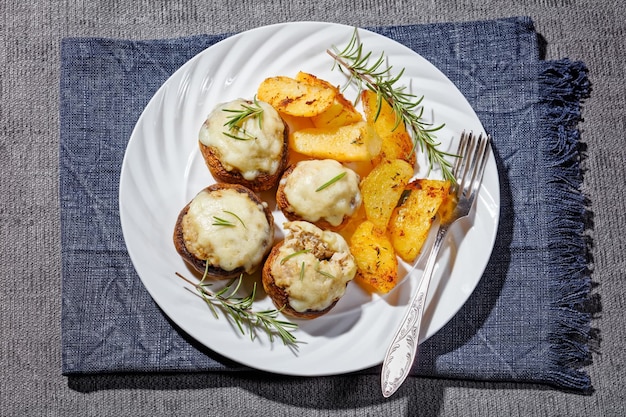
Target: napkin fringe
{"points": [[564, 84]]}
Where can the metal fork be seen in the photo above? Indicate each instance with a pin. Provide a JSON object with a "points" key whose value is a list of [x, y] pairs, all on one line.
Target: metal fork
{"points": [[468, 171]]}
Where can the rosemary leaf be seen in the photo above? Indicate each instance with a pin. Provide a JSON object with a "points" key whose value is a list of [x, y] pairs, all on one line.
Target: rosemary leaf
{"points": [[331, 181], [246, 135], [237, 217], [326, 274], [218, 221], [302, 271], [291, 255]]}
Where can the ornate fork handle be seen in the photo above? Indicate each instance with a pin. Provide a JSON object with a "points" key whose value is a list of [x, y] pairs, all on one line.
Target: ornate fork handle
{"points": [[403, 348], [468, 172]]}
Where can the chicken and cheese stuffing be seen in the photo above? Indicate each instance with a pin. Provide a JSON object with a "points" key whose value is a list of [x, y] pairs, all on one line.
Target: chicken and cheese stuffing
{"points": [[312, 266]]}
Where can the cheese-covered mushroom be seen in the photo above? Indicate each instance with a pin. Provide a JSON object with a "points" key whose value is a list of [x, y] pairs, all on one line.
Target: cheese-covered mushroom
{"points": [[307, 273], [227, 227], [323, 192], [245, 142]]}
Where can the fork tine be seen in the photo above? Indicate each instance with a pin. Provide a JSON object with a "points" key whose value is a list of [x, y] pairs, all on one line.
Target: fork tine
{"points": [[470, 165], [459, 161], [468, 160], [460, 164], [479, 162], [482, 155]]}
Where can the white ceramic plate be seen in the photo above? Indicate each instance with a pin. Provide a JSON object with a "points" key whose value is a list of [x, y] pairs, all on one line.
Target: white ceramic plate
{"points": [[163, 170]]}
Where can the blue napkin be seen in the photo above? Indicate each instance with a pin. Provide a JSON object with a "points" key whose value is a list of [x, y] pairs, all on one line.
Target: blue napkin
{"points": [[524, 321]]}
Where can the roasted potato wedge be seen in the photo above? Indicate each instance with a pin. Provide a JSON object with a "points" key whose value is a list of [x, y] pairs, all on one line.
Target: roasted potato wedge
{"points": [[296, 122], [381, 189], [311, 79], [377, 264], [396, 141], [350, 143], [411, 220], [295, 98], [342, 112]]}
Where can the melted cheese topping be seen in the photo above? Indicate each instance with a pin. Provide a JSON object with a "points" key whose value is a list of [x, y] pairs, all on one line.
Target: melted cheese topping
{"points": [[313, 266], [242, 243], [341, 198], [261, 149]]}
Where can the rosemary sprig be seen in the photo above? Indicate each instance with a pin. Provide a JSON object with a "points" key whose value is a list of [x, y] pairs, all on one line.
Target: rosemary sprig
{"points": [[331, 181], [406, 106], [235, 121], [239, 310]]}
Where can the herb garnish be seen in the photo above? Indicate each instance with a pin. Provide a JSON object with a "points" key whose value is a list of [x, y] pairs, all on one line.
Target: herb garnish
{"points": [[326, 274], [239, 310], [291, 255], [237, 217], [219, 221], [244, 132], [235, 121], [302, 271], [331, 181], [406, 106]]}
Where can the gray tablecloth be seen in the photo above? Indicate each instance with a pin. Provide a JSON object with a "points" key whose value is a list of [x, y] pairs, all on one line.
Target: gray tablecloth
{"points": [[30, 260], [521, 323]]}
